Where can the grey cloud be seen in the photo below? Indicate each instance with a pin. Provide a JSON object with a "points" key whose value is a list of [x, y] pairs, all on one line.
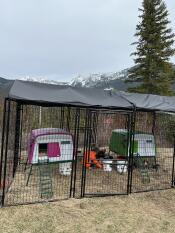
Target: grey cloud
{"points": [[63, 38]]}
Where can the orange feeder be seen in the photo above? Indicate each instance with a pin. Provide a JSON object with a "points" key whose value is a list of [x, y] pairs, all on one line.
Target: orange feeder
{"points": [[90, 158]]}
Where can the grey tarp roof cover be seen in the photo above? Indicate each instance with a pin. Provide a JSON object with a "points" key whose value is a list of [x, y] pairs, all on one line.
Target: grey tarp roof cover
{"points": [[150, 102], [39, 92], [78, 96]]}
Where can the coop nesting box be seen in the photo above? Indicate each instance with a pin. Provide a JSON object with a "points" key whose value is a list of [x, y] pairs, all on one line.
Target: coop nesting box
{"points": [[143, 145]]}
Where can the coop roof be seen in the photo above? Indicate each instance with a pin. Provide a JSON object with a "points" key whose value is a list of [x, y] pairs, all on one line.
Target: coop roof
{"points": [[40, 93], [48, 131]]}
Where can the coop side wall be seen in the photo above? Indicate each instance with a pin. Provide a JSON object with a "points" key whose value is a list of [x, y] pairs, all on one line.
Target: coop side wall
{"points": [[66, 150]]}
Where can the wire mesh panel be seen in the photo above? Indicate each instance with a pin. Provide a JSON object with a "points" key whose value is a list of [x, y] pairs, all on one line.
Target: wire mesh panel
{"points": [[54, 152], [106, 153], [3, 126], [80, 128], [153, 151], [40, 153], [8, 147]]}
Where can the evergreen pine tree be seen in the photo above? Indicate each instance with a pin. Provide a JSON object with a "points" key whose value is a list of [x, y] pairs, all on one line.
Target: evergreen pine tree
{"points": [[154, 48]]}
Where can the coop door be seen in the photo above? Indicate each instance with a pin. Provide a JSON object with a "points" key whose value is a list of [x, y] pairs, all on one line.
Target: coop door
{"points": [[147, 148], [150, 147], [53, 149]]}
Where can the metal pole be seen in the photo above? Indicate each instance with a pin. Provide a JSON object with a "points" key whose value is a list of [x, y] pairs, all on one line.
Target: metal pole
{"points": [[173, 169], [40, 116], [21, 132], [6, 153], [133, 121], [88, 148], [154, 123], [129, 143], [17, 135], [76, 149], [94, 127], [73, 157], [68, 118], [3, 137], [62, 118], [84, 152]]}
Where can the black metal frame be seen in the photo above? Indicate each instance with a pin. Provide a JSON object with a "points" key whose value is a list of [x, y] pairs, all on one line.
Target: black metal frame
{"points": [[17, 138], [5, 153], [74, 164], [3, 138], [90, 133], [87, 147], [87, 144], [83, 177], [173, 169], [131, 150], [158, 133]]}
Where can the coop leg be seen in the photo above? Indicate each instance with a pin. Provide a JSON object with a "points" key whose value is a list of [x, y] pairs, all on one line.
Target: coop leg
{"points": [[29, 176]]}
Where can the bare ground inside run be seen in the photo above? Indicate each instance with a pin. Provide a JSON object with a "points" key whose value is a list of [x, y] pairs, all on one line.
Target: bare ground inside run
{"points": [[144, 212]]}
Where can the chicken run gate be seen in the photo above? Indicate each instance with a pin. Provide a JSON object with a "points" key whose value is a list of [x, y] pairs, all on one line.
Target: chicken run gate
{"points": [[74, 145]]}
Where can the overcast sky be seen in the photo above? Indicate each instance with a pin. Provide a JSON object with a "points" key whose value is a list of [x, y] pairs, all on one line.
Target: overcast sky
{"points": [[59, 39]]}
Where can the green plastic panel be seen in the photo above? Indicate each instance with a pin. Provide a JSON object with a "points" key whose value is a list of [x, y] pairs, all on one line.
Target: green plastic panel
{"points": [[119, 143]]}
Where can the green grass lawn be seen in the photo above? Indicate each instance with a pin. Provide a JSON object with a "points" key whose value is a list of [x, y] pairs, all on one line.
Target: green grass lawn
{"points": [[146, 212]]}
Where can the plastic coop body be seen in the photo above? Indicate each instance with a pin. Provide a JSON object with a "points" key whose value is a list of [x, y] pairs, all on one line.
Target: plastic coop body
{"points": [[52, 144], [144, 144]]}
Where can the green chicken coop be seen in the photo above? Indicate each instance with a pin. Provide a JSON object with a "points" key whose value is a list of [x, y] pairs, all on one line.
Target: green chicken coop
{"points": [[144, 146]]}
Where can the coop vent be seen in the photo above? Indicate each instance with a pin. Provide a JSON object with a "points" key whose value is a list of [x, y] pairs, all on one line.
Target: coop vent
{"points": [[65, 142], [149, 141]]}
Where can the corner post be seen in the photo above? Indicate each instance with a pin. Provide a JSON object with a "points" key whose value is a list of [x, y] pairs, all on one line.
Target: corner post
{"points": [[2, 140], [17, 137], [6, 153], [173, 168]]}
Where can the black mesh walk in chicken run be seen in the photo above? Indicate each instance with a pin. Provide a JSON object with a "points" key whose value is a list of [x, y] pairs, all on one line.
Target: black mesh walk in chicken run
{"points": [[60, 142]]}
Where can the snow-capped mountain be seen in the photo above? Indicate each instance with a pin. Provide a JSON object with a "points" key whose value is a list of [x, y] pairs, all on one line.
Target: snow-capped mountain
{"points": [[42, 80], [99, 79], [106, 81]]}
